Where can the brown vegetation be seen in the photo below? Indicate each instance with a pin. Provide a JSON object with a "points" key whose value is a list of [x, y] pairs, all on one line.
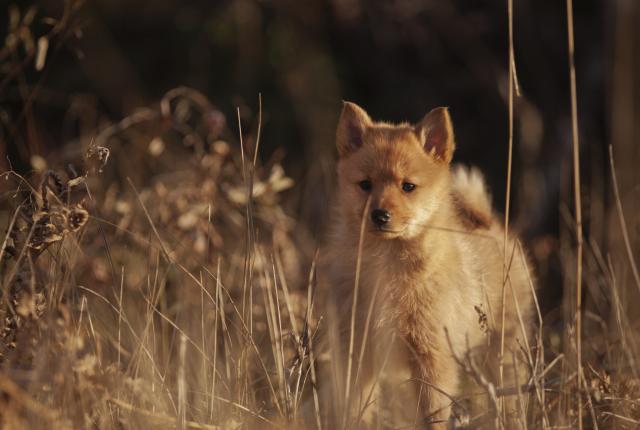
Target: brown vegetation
{"points": [[150, 276]]}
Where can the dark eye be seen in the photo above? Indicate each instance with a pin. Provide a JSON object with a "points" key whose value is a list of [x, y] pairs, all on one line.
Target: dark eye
{"points": [[407, 187], [365, 185]]}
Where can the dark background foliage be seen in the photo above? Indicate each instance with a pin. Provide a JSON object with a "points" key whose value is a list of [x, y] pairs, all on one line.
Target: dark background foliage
{"points": [[397, 59]]}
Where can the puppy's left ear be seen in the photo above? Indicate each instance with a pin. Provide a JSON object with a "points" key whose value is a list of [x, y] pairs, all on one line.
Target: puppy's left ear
{"points": [[435, 131], [352, 125]]}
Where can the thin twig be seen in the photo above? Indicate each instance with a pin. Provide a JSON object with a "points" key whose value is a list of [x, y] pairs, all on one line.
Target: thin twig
{"points": [[511, 67], [354, 305], [623, 223], [578, 204]]}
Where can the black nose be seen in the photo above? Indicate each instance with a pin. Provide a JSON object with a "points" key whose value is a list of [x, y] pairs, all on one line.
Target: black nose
{"points": [[380, 217]]}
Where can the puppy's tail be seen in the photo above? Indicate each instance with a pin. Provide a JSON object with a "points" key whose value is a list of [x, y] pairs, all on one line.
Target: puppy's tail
{"points": [[471, 198]]}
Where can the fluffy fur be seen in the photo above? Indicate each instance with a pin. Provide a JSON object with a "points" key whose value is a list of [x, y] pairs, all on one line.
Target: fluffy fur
{"points": [[430, 282]]}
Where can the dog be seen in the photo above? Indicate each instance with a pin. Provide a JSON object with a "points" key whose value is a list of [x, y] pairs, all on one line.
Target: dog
{"points": [[417, 270]]}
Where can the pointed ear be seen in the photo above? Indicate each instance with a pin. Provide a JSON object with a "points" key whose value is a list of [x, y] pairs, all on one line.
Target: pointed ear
{"points": [[351, 127], [435, 131]]}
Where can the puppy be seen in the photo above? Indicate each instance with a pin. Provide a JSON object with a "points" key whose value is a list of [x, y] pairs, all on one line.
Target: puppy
{"points": [[415, 244]]}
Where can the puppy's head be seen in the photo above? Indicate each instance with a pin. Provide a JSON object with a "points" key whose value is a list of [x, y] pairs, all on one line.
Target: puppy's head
{"points": [[399, 173]]}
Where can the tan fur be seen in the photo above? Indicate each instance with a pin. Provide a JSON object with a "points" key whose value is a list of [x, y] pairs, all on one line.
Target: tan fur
{"points": [[437, 266]]}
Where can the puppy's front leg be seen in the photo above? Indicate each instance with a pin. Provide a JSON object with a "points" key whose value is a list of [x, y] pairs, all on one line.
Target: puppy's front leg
{"points": [[438, 378]]}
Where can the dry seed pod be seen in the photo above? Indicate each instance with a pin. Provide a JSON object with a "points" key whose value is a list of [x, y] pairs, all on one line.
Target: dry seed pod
{"points": [[76, 218], [96, 158]]}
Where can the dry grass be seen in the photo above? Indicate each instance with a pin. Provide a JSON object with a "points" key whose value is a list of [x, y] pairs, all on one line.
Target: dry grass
{"points": [[177, 301]]}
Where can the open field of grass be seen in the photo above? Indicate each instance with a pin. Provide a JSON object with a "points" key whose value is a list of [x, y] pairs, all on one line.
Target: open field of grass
{"points": [[175, 300]]}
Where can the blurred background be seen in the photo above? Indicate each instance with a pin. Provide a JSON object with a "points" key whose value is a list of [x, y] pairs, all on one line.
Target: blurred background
{"points": [[104, 59]]}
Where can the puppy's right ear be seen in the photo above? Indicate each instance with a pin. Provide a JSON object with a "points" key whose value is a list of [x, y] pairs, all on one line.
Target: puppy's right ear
{"points": [[351, 127], [435, 131]]}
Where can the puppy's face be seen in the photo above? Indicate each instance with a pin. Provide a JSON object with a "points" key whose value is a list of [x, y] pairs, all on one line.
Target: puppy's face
{"points": [[394, 176]]}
